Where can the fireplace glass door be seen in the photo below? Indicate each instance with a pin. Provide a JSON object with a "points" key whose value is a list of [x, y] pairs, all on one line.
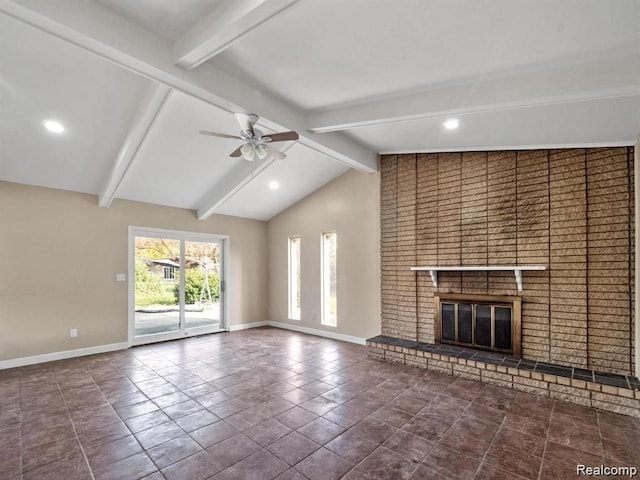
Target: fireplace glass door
{"points": [[479, 324]]}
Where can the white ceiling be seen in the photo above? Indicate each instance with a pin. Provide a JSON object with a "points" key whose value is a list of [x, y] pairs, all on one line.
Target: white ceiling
{"points": [[332, 52], [95, 99], [133, 82], [308, 172], [555, 125], [173, 154], [169, 19]]}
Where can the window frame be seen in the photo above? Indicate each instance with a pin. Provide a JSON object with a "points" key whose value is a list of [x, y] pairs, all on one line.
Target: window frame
{"points": [[325, 280], [294, 292]]}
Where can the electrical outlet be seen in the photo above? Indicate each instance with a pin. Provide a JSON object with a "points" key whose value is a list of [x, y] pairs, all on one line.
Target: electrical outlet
{"points": [[73, 333], [120, 277]]}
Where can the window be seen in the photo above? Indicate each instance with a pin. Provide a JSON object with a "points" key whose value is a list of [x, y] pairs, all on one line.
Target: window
{"points": [[169, 273], [294, 278], [329, 280]]}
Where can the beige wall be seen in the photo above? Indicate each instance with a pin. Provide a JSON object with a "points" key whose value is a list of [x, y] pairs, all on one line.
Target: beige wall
{"points": [[349, 205], [60, 254]]}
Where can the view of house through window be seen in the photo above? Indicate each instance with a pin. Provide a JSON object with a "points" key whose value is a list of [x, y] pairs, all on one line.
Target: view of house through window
{"points": [[329, 280], [157, 276], [294, 278]]}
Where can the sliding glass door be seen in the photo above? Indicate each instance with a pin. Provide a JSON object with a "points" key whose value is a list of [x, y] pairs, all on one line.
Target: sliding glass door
{"points": [[176, 284], [157, 285], [203, 269]]}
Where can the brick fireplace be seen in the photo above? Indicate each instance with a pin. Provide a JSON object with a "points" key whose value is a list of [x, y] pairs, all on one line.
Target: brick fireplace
{"points": [[569, 211]]}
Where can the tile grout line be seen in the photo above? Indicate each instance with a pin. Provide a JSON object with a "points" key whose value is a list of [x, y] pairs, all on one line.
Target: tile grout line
{"points": [[322, 416], [456, 421], [490, 445], [171, 419], [546, 441], [73, 425], [263, 448], [602, 453], [125, 423], [321, 446], [371, 453], [451, 426], [356, 465], [21, 447], [122, 419]]}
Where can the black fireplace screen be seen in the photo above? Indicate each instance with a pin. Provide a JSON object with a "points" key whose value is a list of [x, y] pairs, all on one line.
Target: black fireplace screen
{"points": [[480, 325]]}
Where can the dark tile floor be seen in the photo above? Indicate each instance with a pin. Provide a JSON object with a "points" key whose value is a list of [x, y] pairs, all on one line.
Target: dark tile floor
{"points": [[269, 403]]}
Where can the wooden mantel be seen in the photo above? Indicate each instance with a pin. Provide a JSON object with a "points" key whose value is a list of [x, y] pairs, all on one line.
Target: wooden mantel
{"points": [[516, 269]]}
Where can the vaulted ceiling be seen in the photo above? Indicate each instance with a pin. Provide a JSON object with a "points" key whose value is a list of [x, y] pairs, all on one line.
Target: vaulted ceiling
{"points": [[134, 81]]}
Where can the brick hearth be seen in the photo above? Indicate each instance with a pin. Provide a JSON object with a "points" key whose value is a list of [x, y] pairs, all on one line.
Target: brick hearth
{"points": [[605, 391]]}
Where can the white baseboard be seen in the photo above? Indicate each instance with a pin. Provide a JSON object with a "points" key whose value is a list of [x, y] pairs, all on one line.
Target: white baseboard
{"points": [[319, 333], [297, 328], [244, 326], [51, 357], [81, 352]]}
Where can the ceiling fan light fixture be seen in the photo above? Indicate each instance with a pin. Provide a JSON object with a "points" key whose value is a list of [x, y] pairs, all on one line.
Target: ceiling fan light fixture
{"points": [[255, 144], [261, 152], [248, 152]]}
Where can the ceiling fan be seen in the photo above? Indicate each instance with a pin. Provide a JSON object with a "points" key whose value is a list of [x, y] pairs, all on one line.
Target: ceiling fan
{"points": [[257, 145]]}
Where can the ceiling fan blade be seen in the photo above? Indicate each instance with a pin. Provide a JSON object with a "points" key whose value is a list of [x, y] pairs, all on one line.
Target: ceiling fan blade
{"points": [[274, 152], [236, 152], [217, 134], [281, 137], [246, 122]]}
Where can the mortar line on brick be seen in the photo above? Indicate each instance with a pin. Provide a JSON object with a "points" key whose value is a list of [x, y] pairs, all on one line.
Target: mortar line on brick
{"points": [[486, 211], [549, 254], [437, 210], [415, 234], [461, 275], [460, 212], [395, 242], [382, 248], [586, 242], [516, 207], [631, 268]]}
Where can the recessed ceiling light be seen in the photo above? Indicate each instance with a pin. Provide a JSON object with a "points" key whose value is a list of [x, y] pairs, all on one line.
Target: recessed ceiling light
{"points": [[452, 124], [53, 126], [273, 185]]}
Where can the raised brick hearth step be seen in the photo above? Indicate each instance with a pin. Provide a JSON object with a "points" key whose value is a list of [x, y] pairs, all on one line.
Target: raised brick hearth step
{"points": [[605, 391]]}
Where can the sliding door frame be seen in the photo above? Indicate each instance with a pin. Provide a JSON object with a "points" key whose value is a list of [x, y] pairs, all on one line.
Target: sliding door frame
{"points": [[182, 237]]}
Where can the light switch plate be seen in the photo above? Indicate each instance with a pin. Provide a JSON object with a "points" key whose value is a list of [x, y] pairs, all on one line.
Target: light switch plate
{"points": [[120, 277]]}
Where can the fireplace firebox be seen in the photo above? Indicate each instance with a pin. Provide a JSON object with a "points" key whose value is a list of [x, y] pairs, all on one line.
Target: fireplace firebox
{"points": [[485, 322]]}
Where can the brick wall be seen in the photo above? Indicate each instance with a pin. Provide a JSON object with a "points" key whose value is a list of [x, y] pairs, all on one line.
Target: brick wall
{"points": [[570, 210]]}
